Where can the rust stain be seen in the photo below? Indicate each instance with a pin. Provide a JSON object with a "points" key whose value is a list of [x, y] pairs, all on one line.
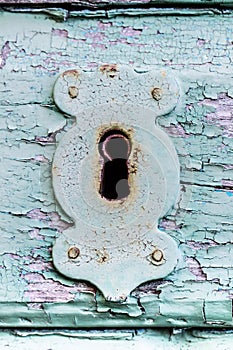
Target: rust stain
{"points": [[157, 93], [133, 168], [137, 151], [164, 74], [55, 171], [73, 91], [102, 256], [111, 70], [71, 73], [73, 252], [106, 128]]}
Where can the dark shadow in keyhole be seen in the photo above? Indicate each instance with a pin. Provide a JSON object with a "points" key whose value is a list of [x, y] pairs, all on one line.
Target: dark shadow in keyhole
{"points": [[115, 148]]}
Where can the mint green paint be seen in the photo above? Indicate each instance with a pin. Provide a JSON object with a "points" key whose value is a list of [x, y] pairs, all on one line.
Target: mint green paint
{"points": [[95, 4], [35, 49], [117, 340], [92, 312]]}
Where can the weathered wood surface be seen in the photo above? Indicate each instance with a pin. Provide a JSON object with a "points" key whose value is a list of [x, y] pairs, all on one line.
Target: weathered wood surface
{"points": [[116, 340], [103, 3], [35, 48]]}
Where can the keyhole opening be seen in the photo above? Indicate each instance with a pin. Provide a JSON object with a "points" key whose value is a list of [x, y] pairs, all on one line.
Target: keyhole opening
{"points": [[114, 148]]}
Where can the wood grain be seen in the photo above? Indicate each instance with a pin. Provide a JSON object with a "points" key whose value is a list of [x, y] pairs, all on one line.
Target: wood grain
{"points": [[35, 49]]}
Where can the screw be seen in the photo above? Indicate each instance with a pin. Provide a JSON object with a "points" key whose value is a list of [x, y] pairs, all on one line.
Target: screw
{"points": [[73, 252], [157, 256], [73, 91], [157, 93]]}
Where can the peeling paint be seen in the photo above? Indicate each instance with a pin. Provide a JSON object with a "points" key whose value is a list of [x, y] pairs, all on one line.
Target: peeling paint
{"points": [[33, 53], [5, 52], [53, 218], [195, 269], [223, 115], [175, 339], [40, 290]]}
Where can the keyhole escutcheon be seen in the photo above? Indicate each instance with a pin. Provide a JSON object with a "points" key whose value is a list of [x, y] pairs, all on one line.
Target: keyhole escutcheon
{"points": [[114, 148]]}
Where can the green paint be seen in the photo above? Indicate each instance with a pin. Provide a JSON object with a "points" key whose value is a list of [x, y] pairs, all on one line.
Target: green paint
{"points": [[126, 3], [86, 312], [117, 340], [198, 50]]}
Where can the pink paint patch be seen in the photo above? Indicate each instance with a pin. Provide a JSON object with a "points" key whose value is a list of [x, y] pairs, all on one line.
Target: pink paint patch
{"points": [[169, 225], [228, 166], [195, 268], [37, 214], [201, 42], [37, 264], [98, 46], [176, 130], [44, 140], [5, 52], [40, 158], [60, 32], [92, 65], [40, 289], [53, 219], [104, 26], [14, 256], [95, 36], [35, 234], [227, 183], [223, 114], [129, 31], [201, 245]]}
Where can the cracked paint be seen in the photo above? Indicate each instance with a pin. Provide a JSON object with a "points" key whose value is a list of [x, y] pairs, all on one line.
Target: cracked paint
{"points": [[45, 290], [195, 269], [222, 116], [53, 219], [5, 52], [33, 53]]}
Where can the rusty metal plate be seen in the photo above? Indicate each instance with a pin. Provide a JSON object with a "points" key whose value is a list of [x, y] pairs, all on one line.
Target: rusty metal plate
{"points": [[118, 233]]}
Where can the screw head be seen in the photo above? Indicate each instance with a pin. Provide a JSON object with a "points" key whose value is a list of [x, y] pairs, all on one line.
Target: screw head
{"points": [[157, 93], [73, 91], [73, 253], [157, 257]]}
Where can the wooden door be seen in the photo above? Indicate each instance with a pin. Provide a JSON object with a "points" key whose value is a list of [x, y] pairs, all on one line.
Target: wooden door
{"points": [[194, 44]]}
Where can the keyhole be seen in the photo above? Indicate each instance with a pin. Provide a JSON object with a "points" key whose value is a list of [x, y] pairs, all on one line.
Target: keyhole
{"points": [[114, 147]]}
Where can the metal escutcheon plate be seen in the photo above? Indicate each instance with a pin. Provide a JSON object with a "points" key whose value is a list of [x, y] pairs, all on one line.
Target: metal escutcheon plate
{"points": [[115, 244]]}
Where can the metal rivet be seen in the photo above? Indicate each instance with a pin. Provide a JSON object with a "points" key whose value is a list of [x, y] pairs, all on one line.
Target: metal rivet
{"points": [[157, 93], [157, 256], [73, 252], [73, 91]]}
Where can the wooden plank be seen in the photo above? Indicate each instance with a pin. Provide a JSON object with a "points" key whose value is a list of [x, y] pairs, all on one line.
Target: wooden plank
{"points": [[133, 3], [198, 49], [116, 340]]}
